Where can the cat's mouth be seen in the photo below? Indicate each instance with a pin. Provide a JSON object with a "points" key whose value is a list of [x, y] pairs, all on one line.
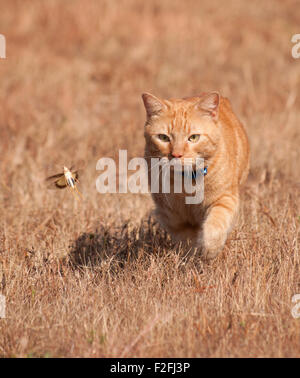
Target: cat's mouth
{"points": [[187, 166], [184, 162]]}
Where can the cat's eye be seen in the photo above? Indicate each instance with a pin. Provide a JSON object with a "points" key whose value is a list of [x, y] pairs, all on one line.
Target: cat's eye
{"points": [[194, 138], [163, 137]]}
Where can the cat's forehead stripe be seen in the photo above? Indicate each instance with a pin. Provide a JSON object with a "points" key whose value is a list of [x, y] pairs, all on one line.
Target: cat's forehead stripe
{"points": [[180, 120]]}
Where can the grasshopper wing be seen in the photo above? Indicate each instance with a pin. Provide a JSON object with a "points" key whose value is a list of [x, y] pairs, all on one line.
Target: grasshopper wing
{"points": [[56, 181]]}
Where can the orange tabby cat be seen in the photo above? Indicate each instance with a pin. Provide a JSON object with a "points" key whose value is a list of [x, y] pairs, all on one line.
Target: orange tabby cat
{"points": [[206, 127]]}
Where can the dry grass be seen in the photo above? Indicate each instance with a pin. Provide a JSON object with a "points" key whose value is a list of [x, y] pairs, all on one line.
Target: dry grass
{"points": [[100, 278]]}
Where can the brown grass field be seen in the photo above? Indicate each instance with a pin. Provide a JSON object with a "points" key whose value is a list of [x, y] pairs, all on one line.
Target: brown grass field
{"points": [[99, 278]]}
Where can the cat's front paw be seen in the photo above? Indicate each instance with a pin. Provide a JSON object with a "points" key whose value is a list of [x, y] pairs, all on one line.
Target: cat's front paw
{"points": [[212, 241]]}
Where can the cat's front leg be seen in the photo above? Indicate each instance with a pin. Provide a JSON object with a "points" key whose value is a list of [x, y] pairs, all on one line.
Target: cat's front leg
{"points": [[217, 225]]}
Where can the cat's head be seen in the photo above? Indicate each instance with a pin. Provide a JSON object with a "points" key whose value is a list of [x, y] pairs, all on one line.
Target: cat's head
{"points": [[182, 128]]}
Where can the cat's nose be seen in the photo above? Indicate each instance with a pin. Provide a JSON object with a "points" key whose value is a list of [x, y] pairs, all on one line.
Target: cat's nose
{"points": [[176, 154]]}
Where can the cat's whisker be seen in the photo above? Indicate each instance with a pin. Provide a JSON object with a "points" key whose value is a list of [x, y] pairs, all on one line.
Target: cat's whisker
{"points": [[157, 177], [153, 166], [166, 197], [158, 163]]}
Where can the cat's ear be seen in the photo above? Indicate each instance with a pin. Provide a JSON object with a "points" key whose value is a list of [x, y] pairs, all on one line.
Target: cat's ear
{"points": [[153, 105], [210, 103]]}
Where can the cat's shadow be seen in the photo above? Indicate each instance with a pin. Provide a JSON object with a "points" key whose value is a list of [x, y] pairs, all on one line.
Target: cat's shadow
{"points": [[120, 244]]}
